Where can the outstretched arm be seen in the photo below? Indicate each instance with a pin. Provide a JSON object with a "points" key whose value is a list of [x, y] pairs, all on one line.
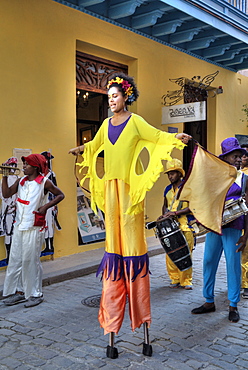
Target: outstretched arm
{"points": [[75, 151]]}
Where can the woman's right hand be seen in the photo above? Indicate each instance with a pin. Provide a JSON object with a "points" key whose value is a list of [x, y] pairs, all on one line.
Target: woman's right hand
{"points": [[184, 137], [77, 150]]}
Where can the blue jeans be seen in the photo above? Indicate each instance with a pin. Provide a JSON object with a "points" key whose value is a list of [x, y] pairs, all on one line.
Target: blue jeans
{"points": [[214, 246]]}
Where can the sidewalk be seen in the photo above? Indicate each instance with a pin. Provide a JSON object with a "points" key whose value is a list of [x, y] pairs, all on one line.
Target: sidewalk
{"points": [[81, 264]]}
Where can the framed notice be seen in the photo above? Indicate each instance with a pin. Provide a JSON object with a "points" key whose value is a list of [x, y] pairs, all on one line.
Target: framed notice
{"points": [[19, 153]]}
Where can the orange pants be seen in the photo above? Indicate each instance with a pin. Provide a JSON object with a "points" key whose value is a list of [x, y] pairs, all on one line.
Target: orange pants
{"points": [[125, 238], [113, 302]]}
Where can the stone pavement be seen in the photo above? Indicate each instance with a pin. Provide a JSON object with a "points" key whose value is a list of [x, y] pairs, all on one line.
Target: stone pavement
{"points": [[63, 332]]}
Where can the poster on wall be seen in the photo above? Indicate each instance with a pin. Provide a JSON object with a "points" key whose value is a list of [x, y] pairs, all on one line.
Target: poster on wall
{"points": [[242, 139], [172, 130], [91, 227], [19, 153]]}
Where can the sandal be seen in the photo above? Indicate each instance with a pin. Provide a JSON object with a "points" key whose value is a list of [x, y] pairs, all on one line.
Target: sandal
{"points": [[175, 286], [245, 293], [187, 287]]}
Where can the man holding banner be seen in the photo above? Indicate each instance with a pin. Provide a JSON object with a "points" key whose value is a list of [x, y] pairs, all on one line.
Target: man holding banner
{"points": [[228, 237]]}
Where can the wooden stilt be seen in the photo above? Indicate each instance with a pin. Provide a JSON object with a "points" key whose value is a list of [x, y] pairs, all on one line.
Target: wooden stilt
{"points": [[147, 348], [112, 352]]}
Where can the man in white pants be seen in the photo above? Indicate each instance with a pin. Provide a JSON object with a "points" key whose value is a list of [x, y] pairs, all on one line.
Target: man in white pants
{"points": [[23, 281]]}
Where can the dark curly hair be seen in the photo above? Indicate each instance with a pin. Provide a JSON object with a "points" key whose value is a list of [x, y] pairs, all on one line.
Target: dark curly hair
{"points": [[130, 80]]}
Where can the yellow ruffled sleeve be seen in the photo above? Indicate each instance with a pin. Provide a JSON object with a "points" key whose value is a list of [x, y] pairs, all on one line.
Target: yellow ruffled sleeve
{"points": [[159, 145], [86, 169]]}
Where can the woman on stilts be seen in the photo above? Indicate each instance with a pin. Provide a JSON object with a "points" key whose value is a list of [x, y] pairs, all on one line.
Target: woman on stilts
{"points": [[120, 195]]}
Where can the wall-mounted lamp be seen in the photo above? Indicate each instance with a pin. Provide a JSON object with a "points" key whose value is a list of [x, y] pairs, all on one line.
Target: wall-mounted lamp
{"points": [[212, 92], [219, 90], [82, 100]]}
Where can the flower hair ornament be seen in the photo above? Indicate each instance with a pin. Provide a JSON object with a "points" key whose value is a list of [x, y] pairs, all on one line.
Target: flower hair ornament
{"points": [[126, 87]]}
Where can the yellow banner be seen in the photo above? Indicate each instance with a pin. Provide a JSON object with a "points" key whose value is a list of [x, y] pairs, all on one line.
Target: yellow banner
{"points": [[206, 186]]}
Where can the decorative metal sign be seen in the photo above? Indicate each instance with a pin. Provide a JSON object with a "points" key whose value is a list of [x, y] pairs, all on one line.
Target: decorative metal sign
{"points": [[184, 113], [191, 90]]}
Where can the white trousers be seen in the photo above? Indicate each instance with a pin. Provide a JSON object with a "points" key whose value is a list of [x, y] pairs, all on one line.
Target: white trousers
{"points": [[24, 271]]}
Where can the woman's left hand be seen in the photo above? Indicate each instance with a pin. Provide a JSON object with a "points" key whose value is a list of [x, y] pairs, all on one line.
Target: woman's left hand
{"points": [[184, 137]]}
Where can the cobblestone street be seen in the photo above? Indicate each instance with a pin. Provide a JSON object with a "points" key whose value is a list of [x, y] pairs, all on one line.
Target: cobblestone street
{"points": [[63, 333]]}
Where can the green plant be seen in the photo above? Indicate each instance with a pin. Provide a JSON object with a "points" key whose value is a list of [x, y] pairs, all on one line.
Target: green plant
{"points": [[245, 110]]}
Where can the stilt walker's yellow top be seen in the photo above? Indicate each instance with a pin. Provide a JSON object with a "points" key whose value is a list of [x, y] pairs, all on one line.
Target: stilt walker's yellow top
{"points": [[121, 160]]}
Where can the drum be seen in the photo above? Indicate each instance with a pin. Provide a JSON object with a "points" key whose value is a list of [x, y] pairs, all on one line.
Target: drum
{"points": [[174, 243], [234, 209]]}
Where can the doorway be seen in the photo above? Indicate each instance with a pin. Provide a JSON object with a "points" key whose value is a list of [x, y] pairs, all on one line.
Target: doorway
{"points": [[197, 129], [91, 110], [92, 74]]}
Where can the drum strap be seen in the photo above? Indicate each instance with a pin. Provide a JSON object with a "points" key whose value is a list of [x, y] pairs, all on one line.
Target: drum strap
{"points": [[180, 205], [173, 200]]}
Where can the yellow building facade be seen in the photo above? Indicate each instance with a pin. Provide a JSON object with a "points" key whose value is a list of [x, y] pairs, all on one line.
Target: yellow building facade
{"points": [[39, 40]]}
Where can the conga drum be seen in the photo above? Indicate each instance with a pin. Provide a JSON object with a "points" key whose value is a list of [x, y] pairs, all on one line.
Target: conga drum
{"points": [[174, 243]]}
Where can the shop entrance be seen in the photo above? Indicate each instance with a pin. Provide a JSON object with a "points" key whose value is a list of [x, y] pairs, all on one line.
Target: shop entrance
{"points": [[197, 129], [92, 74]]}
